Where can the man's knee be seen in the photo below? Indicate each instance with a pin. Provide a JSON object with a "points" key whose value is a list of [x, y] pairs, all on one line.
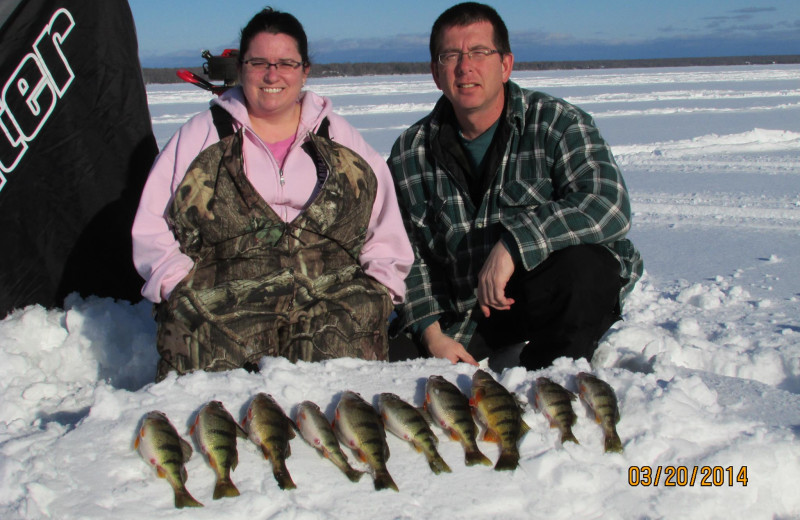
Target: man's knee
{"points": [[583, 270], [570, 303], [585, 266]]}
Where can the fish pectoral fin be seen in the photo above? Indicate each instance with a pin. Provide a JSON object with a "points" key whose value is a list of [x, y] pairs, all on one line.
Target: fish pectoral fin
{"points": [[453, 435], [292, 427], [265, 452], [361, 456], [136, 442], [161, 472]]}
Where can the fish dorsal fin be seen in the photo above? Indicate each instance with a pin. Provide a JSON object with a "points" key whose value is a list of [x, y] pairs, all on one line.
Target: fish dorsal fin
{"points": [[425, 414], [186, 450], [240, 431]]}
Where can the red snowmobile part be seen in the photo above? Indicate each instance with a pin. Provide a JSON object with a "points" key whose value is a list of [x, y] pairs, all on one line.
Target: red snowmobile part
{"points": [[190, 77]]}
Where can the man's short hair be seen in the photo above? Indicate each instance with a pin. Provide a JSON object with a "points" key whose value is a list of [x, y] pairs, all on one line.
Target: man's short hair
{"points": [[468, 13]]}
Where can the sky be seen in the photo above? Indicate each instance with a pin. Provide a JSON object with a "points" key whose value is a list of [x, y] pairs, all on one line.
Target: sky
{"points": [[174, 32]]}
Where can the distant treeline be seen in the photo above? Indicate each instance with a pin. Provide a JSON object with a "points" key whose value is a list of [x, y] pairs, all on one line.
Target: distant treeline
{"points": [[167, 75]]}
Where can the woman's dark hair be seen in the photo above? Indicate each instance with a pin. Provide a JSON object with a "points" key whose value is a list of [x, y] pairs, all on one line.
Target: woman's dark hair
{"points": [[468, 13], [275, 22]]}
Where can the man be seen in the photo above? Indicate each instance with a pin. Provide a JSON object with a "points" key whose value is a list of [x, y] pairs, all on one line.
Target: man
{"points": [[515, 209]]}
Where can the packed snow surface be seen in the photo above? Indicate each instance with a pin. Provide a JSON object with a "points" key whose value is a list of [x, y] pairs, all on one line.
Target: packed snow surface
{"points": [[705, 364]]}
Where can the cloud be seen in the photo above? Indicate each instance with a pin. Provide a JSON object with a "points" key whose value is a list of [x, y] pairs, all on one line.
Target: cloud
{"points": [[753, 10], [738, 15], [404, 47]]}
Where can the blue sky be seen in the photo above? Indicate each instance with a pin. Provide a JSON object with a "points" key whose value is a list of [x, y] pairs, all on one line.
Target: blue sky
{"points": [[173, 32]]}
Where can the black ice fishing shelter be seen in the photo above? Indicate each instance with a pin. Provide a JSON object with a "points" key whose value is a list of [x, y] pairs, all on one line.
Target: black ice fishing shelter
{"points": [[76, 144]]}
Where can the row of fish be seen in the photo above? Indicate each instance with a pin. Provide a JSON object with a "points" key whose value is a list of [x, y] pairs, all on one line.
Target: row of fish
{"points": [[360, 427]]}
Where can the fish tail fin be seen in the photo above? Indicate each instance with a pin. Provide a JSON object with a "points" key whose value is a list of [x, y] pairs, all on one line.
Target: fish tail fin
{"points": [[353, 474], [384, 481], [184, 499], [567, 435], [612, 442], [282, 476], [437, 464], [225, 488], [474, 456], [508, 461]]}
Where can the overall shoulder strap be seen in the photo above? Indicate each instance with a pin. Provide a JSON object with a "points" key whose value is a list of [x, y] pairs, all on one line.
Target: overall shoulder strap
{"points": [[322, 131], [222, 121]]}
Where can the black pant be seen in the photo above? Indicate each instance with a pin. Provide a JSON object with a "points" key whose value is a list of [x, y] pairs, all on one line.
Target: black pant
{"points": [[562, 308]]}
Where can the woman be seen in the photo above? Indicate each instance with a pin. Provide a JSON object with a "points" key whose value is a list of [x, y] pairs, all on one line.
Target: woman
{"points": [[276, 239]]}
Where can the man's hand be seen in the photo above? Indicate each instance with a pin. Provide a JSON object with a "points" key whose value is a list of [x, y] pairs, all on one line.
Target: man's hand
{"points": [[441, 345], [493, 278]]}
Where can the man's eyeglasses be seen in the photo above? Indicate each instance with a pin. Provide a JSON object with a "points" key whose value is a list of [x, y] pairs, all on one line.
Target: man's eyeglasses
{"points": [[280, 66], [478, 55]]}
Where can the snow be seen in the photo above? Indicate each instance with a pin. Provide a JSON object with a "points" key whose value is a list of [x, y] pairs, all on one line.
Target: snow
{"points": [[705, 365]]}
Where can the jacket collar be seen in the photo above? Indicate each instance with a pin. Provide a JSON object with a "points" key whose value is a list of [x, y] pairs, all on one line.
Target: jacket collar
{"points": [[515, 108]]}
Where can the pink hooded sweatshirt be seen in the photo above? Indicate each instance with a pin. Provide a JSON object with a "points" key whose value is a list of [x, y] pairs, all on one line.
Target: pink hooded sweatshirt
{"points": [[386, 255]]}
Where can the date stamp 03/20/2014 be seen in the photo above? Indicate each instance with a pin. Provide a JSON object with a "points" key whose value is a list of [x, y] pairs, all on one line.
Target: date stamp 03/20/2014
{"points": [[682, 476]]}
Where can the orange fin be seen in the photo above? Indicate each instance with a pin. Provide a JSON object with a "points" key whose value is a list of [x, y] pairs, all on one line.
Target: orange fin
{"points": [[490, 436]]}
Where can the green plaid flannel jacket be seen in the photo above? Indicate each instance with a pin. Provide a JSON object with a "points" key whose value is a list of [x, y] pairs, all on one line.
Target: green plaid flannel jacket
{"points": [[557, 185]]}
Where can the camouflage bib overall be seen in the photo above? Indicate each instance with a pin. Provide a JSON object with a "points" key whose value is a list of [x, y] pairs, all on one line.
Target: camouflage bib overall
{"points": [[264, 287]]}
